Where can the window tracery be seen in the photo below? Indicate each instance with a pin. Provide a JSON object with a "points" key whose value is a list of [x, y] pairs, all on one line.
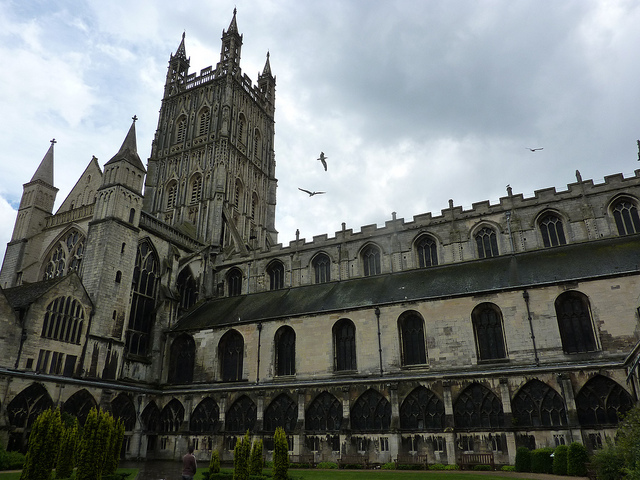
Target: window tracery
{"points": [[322, 268], [182, 359], [574, 322], [487, 325], [79, 405], [478, 407], [625, 214], [242, 416], [427, 251], [63, 320], [487, 243], [231, 352], [275, 270], [234, 281], [552, 231], [171, 417], [371, 412], [601, 401], [537, 404], [324, 414], [281, 412], [344, 344], [285, 341], [422, 410], [371, 260], [66, 256], [411, 326]]}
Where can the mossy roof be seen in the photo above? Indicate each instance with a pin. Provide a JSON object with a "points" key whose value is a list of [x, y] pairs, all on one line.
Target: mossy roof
{"points": [[582, 261]]}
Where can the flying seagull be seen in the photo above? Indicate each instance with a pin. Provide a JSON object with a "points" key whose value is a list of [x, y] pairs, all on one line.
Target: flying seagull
{"points": [[533, 149], [311, 194], [323, 160]]}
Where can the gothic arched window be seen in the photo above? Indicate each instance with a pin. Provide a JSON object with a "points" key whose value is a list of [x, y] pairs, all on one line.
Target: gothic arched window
{"points": [[151, 418], [344, 345], [324, 414], [427, 250], [322, 268], [422, 410], [196, 188], [411, 326], [487, 243], [63, 320], [538, 405], [254, 205], [205, 120], [257, 144], [602, 402], [231, 353], [204, 418], [79, 405], [241, 128], [487, 326], [182, 359], [237, 195], [285, 347], [478, 407], [181, 129], [371, 260], [122, 408], [371, 412], [171, 417], [625, 213], [552, 231], [23, 410], [574, 322], [234, 280], [172, 194], [143, 300], [275, 270], [241, 416], [188, 289], [281, 412], [65, 256]]}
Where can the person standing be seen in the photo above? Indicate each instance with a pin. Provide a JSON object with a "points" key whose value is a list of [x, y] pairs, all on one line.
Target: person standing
{"points": [[188, 465]]}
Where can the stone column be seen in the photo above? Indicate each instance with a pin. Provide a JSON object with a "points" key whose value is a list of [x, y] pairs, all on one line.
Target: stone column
{"points": [[508, 420], [449, 434]]}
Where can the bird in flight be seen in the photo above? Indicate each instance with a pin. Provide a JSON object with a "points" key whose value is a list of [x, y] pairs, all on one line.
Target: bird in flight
{"points": [[323, 160], [311, 194], [533, 149]]}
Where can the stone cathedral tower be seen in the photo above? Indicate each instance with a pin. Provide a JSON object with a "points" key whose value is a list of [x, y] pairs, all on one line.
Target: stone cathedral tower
{"points": [[211, 172]]}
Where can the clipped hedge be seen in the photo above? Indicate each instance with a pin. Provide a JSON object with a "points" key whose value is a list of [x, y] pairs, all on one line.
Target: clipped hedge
{"points": [[326, 465], [523, 459], [541, 460], [577, 459], [560, 460]]}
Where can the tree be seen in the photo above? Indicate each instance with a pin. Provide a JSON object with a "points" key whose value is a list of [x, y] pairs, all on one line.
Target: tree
{"points": [[255, 462], [560, 460], [214, 463], [68, 448], [115, 446], [94, 451], [241, 458], [577, 459], [628, 440], [42, 451], [280, 455]]}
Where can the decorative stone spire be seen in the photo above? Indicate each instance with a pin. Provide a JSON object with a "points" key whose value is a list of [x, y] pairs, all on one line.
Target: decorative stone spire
{"points": [[44, 173], [129, 150], [233, 26]]}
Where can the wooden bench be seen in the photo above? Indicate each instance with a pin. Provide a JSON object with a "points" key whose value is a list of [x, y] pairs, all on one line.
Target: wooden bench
{"points": [[591, 471], [409, 459], [470, 460], [353, 460], [303, 459]]}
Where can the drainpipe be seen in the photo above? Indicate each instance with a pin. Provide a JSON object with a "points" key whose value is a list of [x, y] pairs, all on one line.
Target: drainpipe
{"points": [[525, 295], [259, 341], [508, 215], [377, 312]]}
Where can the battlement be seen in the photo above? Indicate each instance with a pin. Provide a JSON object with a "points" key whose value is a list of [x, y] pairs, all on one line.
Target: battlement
{"points": [[210, 74]]}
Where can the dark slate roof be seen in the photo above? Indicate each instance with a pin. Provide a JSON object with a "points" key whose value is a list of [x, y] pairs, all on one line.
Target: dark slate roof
{"points": [[25, 295], [560, 264]]}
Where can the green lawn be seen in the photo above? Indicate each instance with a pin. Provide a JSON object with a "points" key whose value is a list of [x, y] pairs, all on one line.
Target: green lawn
{"points": [[16, 475], [389, 474]]}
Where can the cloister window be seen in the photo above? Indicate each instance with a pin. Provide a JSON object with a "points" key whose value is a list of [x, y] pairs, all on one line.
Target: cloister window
{"points": [[625, 213], [182, 359], [171, 417], [324, 414], [552, 231], [79, 405], [143, 299], [196, 188], [275, 270], [65, 256], [422, 410], [285, 343], [63, 320], [322, 268], [172, 193], [231, 353], [204, 418], [371, 412], [241, 416], [538, 405], [371, 260], [478, 407], [427, 250], [234, 281], [344, 345], [574, 322], [487, 326], [122, 408], [23, 410], [411, 327], [281, 412], [205, 120], [487, 243], [601, 401]]}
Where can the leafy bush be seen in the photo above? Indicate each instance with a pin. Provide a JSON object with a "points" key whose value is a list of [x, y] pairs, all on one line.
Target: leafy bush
{"points": [[482, 467], [214, 463], [523, 459], [541, 460], [628, 436], [11, 460], [354, 466], [560, 460], [326, 465], [609, 463], [407, 466], [577, 459], [389, 466], [437, 466], [452, 467], [508, 468]]}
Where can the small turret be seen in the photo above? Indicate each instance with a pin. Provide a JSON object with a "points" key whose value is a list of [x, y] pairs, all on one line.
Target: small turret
{"points": [[178, 70], [267, 86], [231, 48]]}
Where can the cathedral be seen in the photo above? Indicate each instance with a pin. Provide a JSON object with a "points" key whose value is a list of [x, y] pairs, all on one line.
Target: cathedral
{"points": [[160, 293]]}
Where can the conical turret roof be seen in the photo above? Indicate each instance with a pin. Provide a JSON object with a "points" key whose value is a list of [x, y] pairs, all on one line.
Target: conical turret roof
{"points": [[129, 150]]}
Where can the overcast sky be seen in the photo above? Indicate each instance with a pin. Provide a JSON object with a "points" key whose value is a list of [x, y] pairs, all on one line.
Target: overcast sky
{"points": [[413, 102]]}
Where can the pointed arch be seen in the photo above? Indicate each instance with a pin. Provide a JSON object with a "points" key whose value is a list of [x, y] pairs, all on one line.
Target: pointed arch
{"points": [[234, 282], [602, 401], [371, 412], [574, 322], [624, 210], [65, 254], [238, 195], [412, 343], [344, 345], [122, 408], [551, 229], [488, 330], [143, 299], [27, 405], [172, 416], [241, 416], [427, 250], [172, 194], [204, 121], [275, 271], [182, 359], [241, 129], [196, 188], [181, 129], [257, 143], [205, 417], [321, 264], [536, 404], [151, 418], [254, 206], [230, 354], [79, 405], [324, 414], [281, 412], [422, 410], [478, 407], [188, 288], [486, 242], [63, 320], [370, 257], [285, 351]]}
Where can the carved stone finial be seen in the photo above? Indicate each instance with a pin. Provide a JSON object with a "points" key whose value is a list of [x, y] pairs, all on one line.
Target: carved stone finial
{"points": [[393, 215], [451, 203], [578, 176], [509, 190], [297, 234]]}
